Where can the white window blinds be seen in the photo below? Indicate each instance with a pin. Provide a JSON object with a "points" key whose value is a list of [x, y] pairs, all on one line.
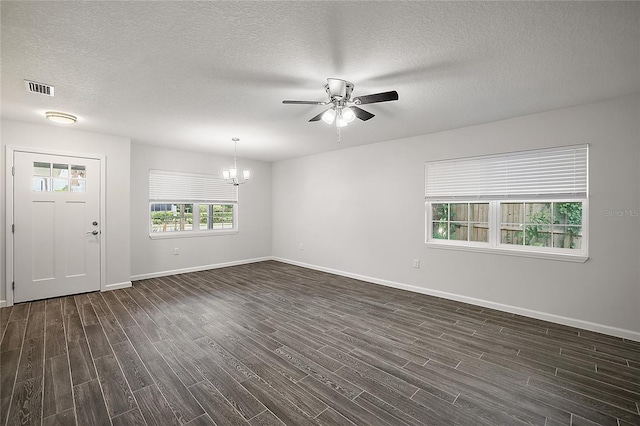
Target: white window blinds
{"points": [[551, 173], [186, 187]]}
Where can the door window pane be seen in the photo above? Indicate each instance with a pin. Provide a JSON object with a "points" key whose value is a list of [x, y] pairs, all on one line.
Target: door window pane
{"points": [[41, 184], [41, 169], [61, 170], [78, 176], [60, 177], [78, 172], [41, 180], [61, 185], [78, 185]]}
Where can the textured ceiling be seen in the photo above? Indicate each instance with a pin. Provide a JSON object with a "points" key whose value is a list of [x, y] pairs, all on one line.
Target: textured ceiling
{"points": [[192, 75]]}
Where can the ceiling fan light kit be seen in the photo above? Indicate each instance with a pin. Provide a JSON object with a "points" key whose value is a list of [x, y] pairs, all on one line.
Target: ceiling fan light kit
{"points": [[343, 110], [341, 116]]}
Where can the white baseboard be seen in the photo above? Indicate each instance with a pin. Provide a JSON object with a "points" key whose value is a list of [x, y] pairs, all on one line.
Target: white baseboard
{"points": [[198, 268], [558, 319], [108, 287], [116, 286]]}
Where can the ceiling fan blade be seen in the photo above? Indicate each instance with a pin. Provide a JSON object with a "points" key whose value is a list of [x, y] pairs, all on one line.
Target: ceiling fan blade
{"points": [[362, 114], [376, 97], [304, 102], [319, 116]]}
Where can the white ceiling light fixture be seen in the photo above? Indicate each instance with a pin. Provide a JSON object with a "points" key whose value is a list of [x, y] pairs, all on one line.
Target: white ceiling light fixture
{"points": [[231, 175], [61, 117]]}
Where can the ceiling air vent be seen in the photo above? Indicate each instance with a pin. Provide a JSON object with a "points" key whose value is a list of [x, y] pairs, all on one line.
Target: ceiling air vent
{"points": [[41, 88]]}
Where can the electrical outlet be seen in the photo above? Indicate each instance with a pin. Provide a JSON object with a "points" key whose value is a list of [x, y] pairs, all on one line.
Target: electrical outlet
{"points": [[301, 247], [176, 251], [416, 263]]}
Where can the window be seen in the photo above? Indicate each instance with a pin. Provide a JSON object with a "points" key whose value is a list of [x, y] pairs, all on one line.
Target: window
{"points": [[186, 204], [460, 221], [216, 216], [171, 217], [53, 177], [542, 224], [528, 203]]}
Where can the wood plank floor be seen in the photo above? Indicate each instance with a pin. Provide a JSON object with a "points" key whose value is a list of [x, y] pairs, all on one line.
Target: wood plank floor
{"points": [[271, 344]]}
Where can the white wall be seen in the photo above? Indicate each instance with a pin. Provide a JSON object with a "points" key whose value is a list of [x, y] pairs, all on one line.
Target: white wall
{"points": [[360, 212], [155, 257], [65, 140]]}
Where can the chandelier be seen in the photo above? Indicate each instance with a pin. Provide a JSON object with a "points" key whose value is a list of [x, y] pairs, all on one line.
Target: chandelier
{"points": [[231, 175]]}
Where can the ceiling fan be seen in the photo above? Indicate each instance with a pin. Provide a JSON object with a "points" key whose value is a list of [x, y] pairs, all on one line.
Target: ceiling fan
{"points": [[343, 109]]}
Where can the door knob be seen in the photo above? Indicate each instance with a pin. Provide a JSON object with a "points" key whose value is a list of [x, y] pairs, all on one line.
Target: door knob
{"points": [[94, 232]]}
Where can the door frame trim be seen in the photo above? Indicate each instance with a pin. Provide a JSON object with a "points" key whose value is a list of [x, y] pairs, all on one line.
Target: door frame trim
{"points": [[9, 213]]}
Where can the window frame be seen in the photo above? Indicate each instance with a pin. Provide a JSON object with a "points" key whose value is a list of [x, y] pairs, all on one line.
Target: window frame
{"points": [[429, 234], [494, 245], [234, 216], [195, 231]]}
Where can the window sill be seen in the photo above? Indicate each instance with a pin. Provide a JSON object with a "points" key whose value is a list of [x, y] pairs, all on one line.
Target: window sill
{"points": [[190, 234], [576, 258]]}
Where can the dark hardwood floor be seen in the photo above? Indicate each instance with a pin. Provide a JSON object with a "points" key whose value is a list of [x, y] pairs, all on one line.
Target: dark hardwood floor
{"points": [[270, 343]]}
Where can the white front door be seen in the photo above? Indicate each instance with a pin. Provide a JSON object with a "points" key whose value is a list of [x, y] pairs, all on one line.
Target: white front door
{"points": [[57, 225]]}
